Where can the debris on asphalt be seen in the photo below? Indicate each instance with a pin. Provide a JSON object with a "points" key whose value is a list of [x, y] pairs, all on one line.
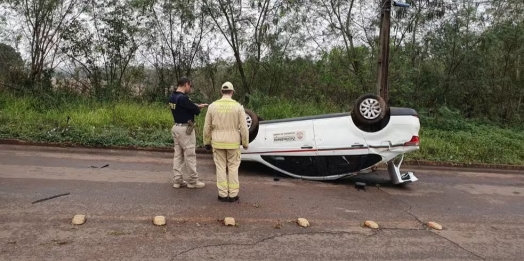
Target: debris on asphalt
{"points": [[95, 167], [371, 224], [116, 233], [78, 219], [61, 242], [434, 225], [159, 220], [229, 221], [56, 196], [256, 205], [360, 185], [303, 222], [278, 225]]}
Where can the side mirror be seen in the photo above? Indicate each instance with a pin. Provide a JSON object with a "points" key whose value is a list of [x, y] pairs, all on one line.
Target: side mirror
{"points": [[400, 4]]}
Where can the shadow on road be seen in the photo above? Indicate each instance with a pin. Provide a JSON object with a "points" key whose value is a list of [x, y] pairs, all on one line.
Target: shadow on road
{"points": [[378, 178]]}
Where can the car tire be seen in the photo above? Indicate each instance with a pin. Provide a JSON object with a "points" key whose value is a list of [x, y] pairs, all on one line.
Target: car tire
{"points": [[369, 109], [252, 120]]}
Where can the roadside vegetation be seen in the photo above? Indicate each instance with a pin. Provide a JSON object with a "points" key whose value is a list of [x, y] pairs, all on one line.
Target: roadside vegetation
{"points": [[445, 136], [98, 73]]}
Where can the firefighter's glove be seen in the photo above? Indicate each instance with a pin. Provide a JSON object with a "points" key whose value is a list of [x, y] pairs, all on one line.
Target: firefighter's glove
{"points": [[207, 147]]}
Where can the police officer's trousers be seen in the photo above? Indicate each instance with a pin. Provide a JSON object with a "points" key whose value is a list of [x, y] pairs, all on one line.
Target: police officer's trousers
{"points": [[184, 160], [227, 162]]}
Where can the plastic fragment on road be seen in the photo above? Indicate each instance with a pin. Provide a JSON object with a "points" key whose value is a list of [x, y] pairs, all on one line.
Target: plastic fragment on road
{"points": [[95, 167], [229, 221], [434, 225], [159, 220], [371, 224], [360, 185], [78, 219], [303, 222]]}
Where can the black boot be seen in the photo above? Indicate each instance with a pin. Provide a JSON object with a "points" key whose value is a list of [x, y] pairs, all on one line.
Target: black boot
{"points": [[233, 199], [223, 199]]}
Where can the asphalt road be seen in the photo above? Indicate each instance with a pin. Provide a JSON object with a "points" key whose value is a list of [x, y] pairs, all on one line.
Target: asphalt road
{"points": [[482, 212]]}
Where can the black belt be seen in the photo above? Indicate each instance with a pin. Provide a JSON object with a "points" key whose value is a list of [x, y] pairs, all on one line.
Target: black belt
{"points": [[181, 124]]}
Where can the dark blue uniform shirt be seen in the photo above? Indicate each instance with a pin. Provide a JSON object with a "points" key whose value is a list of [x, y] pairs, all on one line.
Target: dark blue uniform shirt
{"points": [[182, 108]]}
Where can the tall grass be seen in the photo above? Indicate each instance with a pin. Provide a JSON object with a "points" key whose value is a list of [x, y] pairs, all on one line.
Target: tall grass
{"points": [[86, 122], [127, 123], [484, 144]]}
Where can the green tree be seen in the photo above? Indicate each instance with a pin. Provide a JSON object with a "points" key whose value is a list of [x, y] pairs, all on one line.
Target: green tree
{"points": [[11, 63], [42, 23], [179, 28], [334, 23], [104, 45], [252, 29]]}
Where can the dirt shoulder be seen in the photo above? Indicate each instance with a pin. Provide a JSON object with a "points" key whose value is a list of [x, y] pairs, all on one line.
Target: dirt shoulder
{"points": [[200, 150]]}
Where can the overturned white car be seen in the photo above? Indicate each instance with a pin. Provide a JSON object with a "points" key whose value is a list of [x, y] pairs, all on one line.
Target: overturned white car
{"points": [[333, 146]]}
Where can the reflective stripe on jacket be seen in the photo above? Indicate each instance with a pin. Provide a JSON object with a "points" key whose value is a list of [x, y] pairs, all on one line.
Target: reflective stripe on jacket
{"points": [[225, 125]]}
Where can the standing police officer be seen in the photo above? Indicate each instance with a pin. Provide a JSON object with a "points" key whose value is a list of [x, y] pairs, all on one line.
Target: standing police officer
{"points": [[225, 130], [184, 111]]}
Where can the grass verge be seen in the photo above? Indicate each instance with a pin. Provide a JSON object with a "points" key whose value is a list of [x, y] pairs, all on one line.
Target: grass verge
{"points": [[90, 123]]}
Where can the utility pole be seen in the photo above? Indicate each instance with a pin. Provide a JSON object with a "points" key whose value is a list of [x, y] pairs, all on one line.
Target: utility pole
{"points": [[383, 56]]}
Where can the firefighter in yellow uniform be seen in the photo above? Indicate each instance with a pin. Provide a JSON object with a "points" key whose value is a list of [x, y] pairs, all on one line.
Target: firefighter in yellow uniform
{"points": [[225, 130]]}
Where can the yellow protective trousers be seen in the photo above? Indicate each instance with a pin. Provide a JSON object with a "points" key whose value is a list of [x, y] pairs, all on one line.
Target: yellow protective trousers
{"points": [[227, 162]]}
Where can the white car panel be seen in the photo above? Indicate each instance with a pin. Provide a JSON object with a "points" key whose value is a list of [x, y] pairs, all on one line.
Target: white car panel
{"points": [[332, 146], [297, 136], [339, 136]]}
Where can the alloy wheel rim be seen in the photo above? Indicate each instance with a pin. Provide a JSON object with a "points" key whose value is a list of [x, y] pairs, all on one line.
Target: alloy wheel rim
{"points": [[370, 108], [249, 121]]}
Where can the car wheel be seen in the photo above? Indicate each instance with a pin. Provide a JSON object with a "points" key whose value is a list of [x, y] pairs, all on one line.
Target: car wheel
{"points": [[369, 109], [252, 120]]}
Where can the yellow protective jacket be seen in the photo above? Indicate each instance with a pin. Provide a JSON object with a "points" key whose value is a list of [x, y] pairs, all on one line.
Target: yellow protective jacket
{"points": [[225, 125]]}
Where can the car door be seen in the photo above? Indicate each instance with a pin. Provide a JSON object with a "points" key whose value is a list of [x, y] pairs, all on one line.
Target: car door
{"points": [[340, 144], [290, 137], [338, 136]]}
